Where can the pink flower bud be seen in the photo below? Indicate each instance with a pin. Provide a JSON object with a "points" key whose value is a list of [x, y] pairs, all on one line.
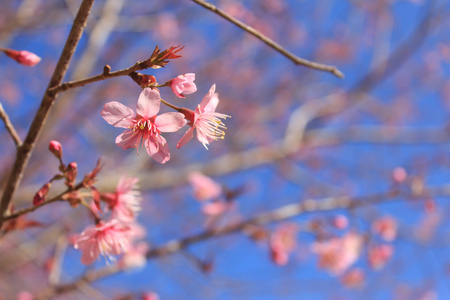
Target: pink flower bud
{"points": [[183, 84], [55, 148], [340, 222], [23, 57], [40, 195]]}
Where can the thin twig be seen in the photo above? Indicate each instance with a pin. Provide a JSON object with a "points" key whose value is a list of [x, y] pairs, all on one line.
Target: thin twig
{"points": [[24, 152], [280, 214], [9, 126], [297, 60]]}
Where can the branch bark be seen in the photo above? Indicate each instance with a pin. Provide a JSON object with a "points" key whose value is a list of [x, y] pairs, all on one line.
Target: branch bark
{"points": [[24, 151]]}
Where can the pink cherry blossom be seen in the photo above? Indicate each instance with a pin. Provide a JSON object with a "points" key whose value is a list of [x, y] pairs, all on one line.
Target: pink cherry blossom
{"points": [[378, 255], [56, 148], [145, 125], [150, 296], [337, 254], [24, 295], [135, 257], [108, 239], [282, 243], [215, 208], [386, 227], [340, 222], [125, 202], [206, 120], [353, 278], [204, 187], [183, 84], [399, 175], [23, 57]]}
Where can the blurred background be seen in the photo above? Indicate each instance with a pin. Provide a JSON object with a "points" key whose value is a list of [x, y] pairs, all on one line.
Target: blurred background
{"points": [[380, 134]]}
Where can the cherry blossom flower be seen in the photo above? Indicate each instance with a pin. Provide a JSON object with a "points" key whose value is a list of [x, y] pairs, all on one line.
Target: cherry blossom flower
{"points": [[145, 125], [353, 278], [283, 242], [378, 255], [23, 57], [215, 208], [204, 187], [386, 227], [124, 203], [183, 84], [108, 239], [337, 254], [340, 222], [135, 257], [399, 175], [150, 296], [206, 120], [24, 295]]}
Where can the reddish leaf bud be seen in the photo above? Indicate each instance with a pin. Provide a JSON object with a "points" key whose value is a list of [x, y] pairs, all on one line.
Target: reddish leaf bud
{"points": [[55, 148], [40, 195], [71, 173]]}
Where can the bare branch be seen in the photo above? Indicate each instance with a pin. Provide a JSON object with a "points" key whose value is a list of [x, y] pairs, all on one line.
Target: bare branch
{"points": [[9, 126], [24, 152], [297, 60]]}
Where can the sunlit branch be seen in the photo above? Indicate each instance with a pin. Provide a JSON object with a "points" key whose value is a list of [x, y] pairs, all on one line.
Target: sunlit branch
{"points": [[297, 60], [280, 214], [9, 127], [24, 152]]}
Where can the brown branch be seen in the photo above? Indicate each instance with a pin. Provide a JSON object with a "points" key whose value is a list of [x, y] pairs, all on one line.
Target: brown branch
{"points": [[34, 207], [297, 60], [140, 65], [9, 126], [280, 214], [24, 151]]}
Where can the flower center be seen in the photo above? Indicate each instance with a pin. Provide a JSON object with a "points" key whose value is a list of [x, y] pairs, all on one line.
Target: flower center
{"points": [[144, 125]]}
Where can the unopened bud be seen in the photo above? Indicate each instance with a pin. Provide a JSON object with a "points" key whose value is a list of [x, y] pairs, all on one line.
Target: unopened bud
{"points": [[23, 57], [71, 173], [40, 195], [55, 148]]}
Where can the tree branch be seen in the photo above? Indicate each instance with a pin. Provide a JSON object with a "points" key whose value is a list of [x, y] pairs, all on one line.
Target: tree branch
{"points": [[280, 214], [297, 60], [24, 151], [9, 126]]}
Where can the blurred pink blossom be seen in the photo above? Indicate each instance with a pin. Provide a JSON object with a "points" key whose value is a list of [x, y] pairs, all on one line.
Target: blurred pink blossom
{"points": [[125, 202], [340, 222], [204, 187], [183, 84], [150, 296], [145, 126], [205, 120], [282, 242], [135, 257], [378, 255], [337, 254], [24, 295], [108, 239], [215, 208], [399, 175], [353, 278], [23, 57], [386, 227]]}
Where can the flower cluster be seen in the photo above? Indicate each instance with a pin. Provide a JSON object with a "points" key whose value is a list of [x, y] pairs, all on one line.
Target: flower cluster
{"points": [[146, 125], [116, 235]]}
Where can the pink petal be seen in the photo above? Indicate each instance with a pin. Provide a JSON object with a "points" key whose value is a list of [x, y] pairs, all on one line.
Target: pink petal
{"points": [[148, 103], [186, 137], [118, 115], [189, 88], [128, 139], [210, 101], [158, 149], [190, 77], [170, 122]]}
